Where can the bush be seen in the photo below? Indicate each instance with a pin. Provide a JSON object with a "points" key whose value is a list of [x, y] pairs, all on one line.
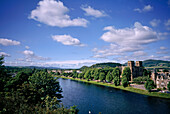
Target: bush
{"points": [[159, 89], [149, 85]]}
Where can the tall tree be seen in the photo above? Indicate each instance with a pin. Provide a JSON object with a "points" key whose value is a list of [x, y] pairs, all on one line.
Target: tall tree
{"points": [[127, 73], [116, 76], [109, 77], [87, 75], [96, 74], [4, 77], [102, 76]]}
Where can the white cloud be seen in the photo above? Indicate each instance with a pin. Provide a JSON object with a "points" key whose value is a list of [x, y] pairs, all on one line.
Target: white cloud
{"points": [[27, 47], [155, 22], [67, 40], [89, 11], [138, 35], [30, 56], [126, 40], [7, 42], [4, 54], [163, 48], [145, 9], [54, 13]]}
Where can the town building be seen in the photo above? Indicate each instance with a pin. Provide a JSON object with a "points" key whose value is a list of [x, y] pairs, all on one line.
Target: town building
{"points": [[161, 79]]}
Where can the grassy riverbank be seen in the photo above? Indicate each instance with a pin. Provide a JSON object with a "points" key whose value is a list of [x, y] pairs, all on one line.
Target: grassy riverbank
{"points": [[131, 89]]}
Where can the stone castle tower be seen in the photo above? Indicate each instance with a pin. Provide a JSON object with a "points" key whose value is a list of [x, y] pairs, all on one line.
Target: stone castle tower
{"points": [[136, 70]]}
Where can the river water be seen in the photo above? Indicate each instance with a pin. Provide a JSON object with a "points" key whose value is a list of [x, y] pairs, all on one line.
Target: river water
{"points": [[107, 100]]}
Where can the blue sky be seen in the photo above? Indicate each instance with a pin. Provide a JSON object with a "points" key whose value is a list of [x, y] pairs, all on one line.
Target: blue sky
{"points": [[70, 34]]}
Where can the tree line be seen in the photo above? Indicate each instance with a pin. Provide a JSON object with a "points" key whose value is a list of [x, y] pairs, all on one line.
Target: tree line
{"points": [[104, 75], [112, 75]]}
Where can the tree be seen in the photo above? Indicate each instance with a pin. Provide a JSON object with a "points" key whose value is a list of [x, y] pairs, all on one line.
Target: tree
{"points": [[165, 70], [75, 74], [102, 76], [149, 85], [127, 73], [18, 80], [116, 76], [87, 75], [4, 77], [109, 77], [80, 75], [168, 86], [116, 81], [124, 82], [45, 84], [92, 74], [96, 74]]}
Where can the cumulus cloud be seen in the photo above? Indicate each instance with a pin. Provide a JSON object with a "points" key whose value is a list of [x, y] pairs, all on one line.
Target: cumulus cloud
{"points": [[30, 56], [67, 40], [54, 13], [89, 11], [8, 42], [4, 54], [137, 35], [126, 40], [145, 9], [155, 22]]}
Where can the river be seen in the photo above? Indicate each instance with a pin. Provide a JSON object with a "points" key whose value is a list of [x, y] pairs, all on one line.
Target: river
{"points": [[107, 100]]}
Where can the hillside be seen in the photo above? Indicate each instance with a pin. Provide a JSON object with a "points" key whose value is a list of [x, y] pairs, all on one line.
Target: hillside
{"points": [[102, 65], [156, 63]]}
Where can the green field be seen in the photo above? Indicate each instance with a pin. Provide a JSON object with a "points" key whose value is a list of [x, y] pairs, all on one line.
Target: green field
{"points": [[131, 89]]}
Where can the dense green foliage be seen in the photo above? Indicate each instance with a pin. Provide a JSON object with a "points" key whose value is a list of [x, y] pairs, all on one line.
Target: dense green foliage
{"points": [[116, 76], [149, 85], [168, 86], [126, 73], [124, 82], [30, 91], [101, 76], [140, 79], [109, 77]]}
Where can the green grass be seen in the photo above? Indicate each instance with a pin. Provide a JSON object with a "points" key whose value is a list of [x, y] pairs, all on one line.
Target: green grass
{"points": [[131, 89]]}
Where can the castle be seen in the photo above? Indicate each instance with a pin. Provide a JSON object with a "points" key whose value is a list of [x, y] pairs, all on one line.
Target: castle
{"points": [[136, 70]]}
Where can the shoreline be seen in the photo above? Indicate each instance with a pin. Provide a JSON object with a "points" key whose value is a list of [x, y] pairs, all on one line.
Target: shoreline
{"points": [[130, 89]]}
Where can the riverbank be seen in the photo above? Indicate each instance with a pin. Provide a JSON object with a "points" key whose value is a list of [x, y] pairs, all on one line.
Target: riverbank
{"points": [[131, 89]]}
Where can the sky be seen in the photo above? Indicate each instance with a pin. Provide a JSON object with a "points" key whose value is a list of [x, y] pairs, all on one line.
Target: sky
{"points": [[74, 33]]}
